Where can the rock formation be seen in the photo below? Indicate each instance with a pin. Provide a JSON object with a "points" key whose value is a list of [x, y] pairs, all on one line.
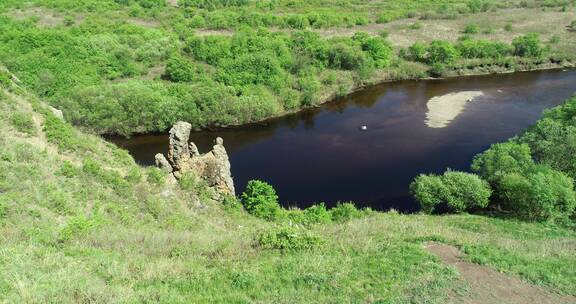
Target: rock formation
{"points": [[183, 157], [57, 113]]}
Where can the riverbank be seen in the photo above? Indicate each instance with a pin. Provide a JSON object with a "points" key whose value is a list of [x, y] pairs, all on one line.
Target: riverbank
{"points": [[418, 73]]}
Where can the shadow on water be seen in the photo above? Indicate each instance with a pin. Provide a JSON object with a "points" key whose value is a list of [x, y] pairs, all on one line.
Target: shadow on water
{"points": [[320, 155]]}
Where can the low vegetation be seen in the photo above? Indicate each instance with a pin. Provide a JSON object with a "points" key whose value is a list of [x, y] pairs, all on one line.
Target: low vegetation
{"points": [[125, 67], [260, 200]]}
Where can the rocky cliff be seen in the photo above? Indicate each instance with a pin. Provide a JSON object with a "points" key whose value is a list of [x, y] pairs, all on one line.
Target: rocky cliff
{"points": [[184, 157]]}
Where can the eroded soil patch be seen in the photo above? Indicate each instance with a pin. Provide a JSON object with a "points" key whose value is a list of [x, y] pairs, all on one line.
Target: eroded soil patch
{"points": [[489, 286]]}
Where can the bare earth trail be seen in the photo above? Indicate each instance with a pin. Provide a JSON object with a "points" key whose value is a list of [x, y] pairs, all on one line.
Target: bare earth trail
{"points": [[488, 286]]}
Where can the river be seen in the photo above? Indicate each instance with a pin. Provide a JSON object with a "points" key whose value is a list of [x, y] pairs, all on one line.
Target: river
{"points": [[412, 127]]}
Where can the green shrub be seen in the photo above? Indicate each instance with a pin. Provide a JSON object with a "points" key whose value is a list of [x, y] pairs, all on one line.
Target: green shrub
{"points": [[315, 214], [260, 199], [502, 159], [345, 211], [415, 26], [459, 190], [442, 52], [5, 79], [470, 48], [477, 6], [231, 203], [78, 226], [309, 86], [68, 169], [179, 69], [379, 50], [508, 27], [555, 39], [471, 29], [543, 194], [572, 26], [437, 70], [429, 191], [60, 133], [69, 21], [529, 46], [288, 238], [197, 21], [552, 139], [346, 57], [417, 52], [465, 191], [23, 122]]}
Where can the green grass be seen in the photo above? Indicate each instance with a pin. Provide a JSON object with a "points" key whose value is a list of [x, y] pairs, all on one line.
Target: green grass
{"points": [[84, 225]]}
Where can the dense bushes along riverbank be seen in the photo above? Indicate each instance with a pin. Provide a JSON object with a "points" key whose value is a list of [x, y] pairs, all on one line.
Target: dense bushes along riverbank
{"points": [[531, 175], [113, 76]]}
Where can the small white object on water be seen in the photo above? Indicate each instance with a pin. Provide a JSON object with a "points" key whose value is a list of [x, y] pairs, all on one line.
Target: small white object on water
{"points": [[364, 128]]}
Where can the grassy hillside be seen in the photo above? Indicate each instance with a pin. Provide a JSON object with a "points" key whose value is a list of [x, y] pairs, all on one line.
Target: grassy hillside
{"points": [[136, 66], [80, 222]]}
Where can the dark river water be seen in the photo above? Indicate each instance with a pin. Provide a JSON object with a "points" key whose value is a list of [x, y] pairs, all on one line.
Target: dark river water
{"points": [[321, 155]]}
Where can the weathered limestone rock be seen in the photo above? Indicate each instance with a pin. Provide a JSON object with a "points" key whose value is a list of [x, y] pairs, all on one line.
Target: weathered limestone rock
{"points": [[178, 153], [194, 150], [162, 163], [57, 113], [213, 167]]}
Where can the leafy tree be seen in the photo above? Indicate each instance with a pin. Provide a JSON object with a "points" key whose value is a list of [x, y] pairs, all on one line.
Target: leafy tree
{"points": [[379, 50], [417, 52], [255, 68], [346, 56], [442, 52], [470, 48], [465, 190], [346, 211], [317, 214], [459, 190], [542, 194], [260, 199], [429, 191], [502, 159], [553, 139], [529, 46], [179, 69], [309, 44]]}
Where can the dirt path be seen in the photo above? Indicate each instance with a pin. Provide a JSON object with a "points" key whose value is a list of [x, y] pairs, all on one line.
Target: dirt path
{"points": [[490, 286]]}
